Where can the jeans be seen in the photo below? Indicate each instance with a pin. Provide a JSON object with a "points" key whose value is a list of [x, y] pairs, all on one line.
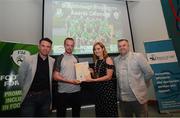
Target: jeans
{"points": [[128, 109], [36, 104], [66, 100]]}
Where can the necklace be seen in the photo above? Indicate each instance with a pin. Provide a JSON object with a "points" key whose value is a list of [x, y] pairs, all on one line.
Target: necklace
{"points": [[97, 69]]}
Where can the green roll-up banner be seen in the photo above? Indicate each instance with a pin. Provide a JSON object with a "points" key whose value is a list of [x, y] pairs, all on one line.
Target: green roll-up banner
{"points": [[171, 10], [11, 56]]}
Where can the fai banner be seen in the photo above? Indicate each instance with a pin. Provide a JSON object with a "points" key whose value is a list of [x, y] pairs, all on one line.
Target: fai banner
{"points": [[163, 60], [11, 56]]}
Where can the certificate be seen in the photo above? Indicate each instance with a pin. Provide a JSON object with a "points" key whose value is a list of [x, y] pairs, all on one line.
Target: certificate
{"points": [[82, 70]]}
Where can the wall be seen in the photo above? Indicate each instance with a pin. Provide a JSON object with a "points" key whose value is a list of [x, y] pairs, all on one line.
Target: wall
{"points": [[147, 24], [21, 20]]}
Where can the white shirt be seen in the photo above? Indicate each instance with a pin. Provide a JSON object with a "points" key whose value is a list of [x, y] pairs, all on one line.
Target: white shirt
{"points": [[126, 93]]}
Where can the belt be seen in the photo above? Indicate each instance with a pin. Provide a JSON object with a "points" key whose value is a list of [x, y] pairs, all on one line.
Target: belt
{"points": [[38, 92]]}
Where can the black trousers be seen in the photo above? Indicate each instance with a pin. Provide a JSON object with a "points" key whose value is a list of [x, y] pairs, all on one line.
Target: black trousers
{"points": [[36, 104], [66, 100]]}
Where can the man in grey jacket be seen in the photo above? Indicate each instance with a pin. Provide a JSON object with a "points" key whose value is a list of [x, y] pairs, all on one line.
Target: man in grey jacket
{"points": [[35, 75], [133, 78]]}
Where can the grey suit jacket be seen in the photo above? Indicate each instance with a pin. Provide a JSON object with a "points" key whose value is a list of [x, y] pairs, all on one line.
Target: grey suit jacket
{"points": [[27, 72], [139, 71]]}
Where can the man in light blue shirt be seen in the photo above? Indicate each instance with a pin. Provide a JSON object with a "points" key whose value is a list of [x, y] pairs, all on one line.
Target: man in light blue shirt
{"points": [[133, 78]]}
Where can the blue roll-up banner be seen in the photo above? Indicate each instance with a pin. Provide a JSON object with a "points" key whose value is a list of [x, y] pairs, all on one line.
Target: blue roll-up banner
{"points": [[166, 81]]}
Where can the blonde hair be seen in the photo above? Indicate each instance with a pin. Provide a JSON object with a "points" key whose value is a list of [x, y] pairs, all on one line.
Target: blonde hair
{"points": [[105, 54]]}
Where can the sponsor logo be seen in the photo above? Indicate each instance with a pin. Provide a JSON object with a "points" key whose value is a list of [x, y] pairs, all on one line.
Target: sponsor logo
{"points": [[19, 55], [162, 57]]}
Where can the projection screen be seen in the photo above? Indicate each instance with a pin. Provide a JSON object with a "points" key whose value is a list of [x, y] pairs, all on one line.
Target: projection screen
{"points": [[87, 21]]}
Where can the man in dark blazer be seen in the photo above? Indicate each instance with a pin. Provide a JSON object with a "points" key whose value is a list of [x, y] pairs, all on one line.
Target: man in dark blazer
{"points": [[35, 76]]}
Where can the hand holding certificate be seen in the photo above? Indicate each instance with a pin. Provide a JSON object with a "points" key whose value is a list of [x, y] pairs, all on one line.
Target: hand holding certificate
{"points": [[82, 71]]}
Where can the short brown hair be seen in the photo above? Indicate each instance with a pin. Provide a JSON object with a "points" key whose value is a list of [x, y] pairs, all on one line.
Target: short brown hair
{"points": [[68, 38], [120, 40], [45, 39]]}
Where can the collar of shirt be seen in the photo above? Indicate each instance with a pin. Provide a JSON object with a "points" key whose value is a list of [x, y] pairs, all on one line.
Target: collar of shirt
{"points": [[40, 58], [124, 57]]}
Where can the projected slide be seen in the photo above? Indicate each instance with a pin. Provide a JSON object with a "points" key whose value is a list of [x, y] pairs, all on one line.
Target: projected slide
{"points": [[87, 23]]}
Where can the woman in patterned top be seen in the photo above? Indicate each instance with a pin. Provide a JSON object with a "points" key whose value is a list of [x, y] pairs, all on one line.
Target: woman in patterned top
{"points": [[105, 90]]}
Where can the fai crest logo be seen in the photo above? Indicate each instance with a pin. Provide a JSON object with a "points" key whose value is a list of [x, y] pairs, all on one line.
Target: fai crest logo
{"points": [[19, 55]]}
